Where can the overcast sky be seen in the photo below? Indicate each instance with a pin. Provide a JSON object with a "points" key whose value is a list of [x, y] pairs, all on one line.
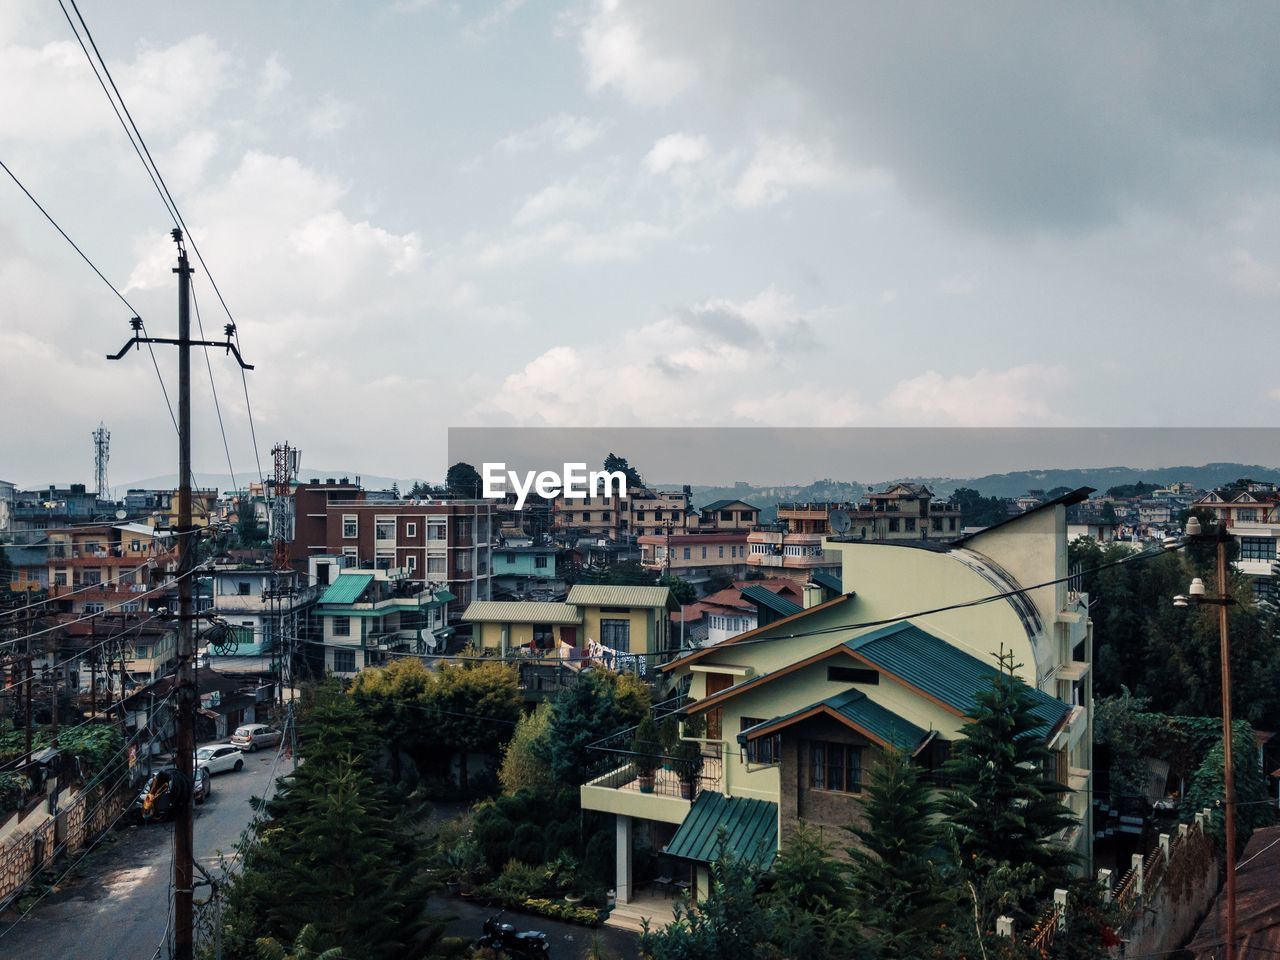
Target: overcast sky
{"points": [[427, 214]]}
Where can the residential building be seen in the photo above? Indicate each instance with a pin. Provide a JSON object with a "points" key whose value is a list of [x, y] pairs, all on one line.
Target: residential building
{"points": [[267, 610], [736, 609], [631, 625], [441, 542], [1252, 515], [696, 557], [1089, 520], [109, 567], [35, 512], [726, 515], [794, 726], [523, 568], [365, 615], [641, 511], [8, 493], [776, 551]]}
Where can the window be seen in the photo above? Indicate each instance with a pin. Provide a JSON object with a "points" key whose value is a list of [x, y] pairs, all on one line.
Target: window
{"points": [[639, 515], [411, 563], [342, 626], [722, 553], [937, 524], [436, 530], [852, 675], [353, 553], [133, 606], [586, 516], [835, 766], [616, 634], [910, 523], [94, 607], [606, 515], [60, 578], [704, 553], [951, 523], [141, 651], [410, 531], [384, 528], [437, 564], [686, 553], [135, 545], [766, 749], [384, 559], [92, 575], [726, 515], [463, 528], [242, 588], [350, 526], [1257, 548], [1247, 516], [540, 563], [893, 524], [344, 661]]}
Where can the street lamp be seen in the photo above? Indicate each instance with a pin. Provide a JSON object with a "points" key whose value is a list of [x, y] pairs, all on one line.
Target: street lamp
{"points": [[1196, 595]]}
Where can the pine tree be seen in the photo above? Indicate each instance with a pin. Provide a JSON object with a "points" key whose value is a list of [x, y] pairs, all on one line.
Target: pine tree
{"points": [[1004, 807], [902, 897]]}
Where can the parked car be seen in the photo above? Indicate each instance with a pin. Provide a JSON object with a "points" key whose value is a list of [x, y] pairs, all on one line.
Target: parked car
{"points": [[165, 789], [252, 736], [220, 757]]}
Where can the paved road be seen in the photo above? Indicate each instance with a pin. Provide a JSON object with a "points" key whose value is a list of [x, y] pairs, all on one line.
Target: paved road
{"points": [[568, 941], [118, 908]]}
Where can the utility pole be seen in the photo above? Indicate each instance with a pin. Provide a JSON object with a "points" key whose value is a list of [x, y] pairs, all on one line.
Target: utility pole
{"points": [[185, 686], [30, 673], [1228, 764]]}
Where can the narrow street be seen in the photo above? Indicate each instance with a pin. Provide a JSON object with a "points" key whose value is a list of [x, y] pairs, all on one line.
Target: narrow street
{"points": [[568, 941], [118, 907]]}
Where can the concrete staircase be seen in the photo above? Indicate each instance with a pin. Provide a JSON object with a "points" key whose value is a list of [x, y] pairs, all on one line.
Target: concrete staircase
{"points": [[631, 916]]}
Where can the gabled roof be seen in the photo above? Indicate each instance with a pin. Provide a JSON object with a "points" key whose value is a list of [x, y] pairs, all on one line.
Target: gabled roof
{"points": [[759, 631], [750, 830], [828, 581], [1079, 495], [771, 601], [932, 667], [854, 709], [521, 611], [347, 588], [611, 595], [721, 504]]}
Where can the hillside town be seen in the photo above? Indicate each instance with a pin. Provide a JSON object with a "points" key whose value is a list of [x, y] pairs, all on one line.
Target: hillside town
{"points": [[714, 692]]}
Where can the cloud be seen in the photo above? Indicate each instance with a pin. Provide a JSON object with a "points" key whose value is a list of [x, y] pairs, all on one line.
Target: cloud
{"points": [[781, 165], [676, 150], [617, 56], [563, 132], [555, 199], [273, 77], [1025, 395], [1250, 275], [496, 17], [328, 116], [187, 161]]}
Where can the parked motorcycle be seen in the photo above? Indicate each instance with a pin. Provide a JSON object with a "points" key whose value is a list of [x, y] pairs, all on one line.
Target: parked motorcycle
{"points": [[504, 936]]}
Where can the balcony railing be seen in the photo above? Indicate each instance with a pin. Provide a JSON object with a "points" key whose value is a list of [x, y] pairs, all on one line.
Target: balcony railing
{"points": [[614, 765]]}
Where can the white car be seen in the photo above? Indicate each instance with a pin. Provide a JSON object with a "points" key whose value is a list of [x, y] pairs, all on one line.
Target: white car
{"points": [[219, 758]]}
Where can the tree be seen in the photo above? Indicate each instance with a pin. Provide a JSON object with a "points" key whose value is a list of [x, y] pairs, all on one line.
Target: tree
{"points": [[809, 905], [463, 480], [682, 590], [582, 714], [333, 853], [895, 868], [612, 463], [727, 925], [473, 708], [392, 696], [248, 530], [522, 764], [977, 510], [1004, 807], [1254, 807]]}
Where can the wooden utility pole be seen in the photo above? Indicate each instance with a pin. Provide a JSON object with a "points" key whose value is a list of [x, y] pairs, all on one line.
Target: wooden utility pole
{"points": [[185, 674], [30, 672], [1228, 764]]}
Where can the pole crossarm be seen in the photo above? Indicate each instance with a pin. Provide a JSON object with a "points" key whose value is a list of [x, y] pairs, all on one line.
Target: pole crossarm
{"points": [[137, 341]]}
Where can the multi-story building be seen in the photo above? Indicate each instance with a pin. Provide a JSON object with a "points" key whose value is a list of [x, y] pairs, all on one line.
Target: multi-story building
{"points": [[791, 727], [641, 511], [526, 569], [725, 515], [36, 512], [696, 557], [106, 567], [736, 609], [8, 493], [365, 615], [267, 610], [1252, 515], [441, 542]]}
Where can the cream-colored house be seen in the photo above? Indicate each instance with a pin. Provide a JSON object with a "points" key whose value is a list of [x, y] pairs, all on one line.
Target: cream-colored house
{"points": [[799, 710]]}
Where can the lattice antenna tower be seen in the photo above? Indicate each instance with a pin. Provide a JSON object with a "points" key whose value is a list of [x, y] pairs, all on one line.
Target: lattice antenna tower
{"points": [[101, 454]]}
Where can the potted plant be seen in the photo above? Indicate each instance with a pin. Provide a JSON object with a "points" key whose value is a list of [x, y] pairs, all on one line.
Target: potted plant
{"points": [[689, 755], [645, 746], [669, 730]]}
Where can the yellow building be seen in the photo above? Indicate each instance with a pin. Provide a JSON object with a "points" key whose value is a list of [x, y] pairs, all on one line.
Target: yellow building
{"points": [[799, 710], [632, 622]]}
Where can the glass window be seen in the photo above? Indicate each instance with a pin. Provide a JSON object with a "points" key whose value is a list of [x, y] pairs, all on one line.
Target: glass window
{"points": [[411, 563], [1257, 548], [722, 552], [616, 634], [437, 564], [686, 553], [435, 530], [344, 661], [350, 526], [765, 749], [835, 766], [342, 626], [540, 563], [410, 530], [242, 588], [384, 528]]}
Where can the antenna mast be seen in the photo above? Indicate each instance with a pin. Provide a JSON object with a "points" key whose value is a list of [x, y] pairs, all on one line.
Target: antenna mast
{"points": [[101, 454]]}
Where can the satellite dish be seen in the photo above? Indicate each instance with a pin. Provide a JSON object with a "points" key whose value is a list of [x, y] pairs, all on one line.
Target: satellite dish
{"points": [[121, 514], [839, 521]]}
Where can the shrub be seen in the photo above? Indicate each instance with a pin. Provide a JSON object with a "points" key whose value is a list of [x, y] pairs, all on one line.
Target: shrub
{"points": [[520, 881], [557, 910]]}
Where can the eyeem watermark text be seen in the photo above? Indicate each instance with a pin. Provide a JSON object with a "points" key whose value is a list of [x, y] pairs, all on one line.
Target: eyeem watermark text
{"points": [[574, 482]]}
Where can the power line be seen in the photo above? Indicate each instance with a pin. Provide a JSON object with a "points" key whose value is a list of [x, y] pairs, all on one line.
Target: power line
{"points": [[217, 407]]}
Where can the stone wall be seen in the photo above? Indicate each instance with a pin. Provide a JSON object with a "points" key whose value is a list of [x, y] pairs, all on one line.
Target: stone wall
{"points": [[827, 812]]}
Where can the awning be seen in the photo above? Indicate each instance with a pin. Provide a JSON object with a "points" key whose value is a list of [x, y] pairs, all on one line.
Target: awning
{"points": [[750, 830]]}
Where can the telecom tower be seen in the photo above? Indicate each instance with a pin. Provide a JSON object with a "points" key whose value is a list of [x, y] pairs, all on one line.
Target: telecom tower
{"points": [[101, 454], [287, 460]]}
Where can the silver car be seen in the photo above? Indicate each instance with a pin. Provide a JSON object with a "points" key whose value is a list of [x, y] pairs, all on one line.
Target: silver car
{"points": [[253, 736]]}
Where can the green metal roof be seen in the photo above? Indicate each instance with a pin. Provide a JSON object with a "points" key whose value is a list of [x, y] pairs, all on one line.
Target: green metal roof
{"points": [[750, 830], [442, 597], [721, 504], [767, 598], [347, 588], [611, 595], [828, 581], [521, 611], [861, 711], [943, 671]]}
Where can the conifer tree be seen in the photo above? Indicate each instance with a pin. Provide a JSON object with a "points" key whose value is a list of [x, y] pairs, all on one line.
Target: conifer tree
{"points": [[903, 899]]}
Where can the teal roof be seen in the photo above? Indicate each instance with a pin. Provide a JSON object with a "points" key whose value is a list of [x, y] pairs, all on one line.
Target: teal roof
{"points": [[347, 588], [750, 830], [861, 711], [943, 671], [763, 597], [441, 597], [828, 581]]}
